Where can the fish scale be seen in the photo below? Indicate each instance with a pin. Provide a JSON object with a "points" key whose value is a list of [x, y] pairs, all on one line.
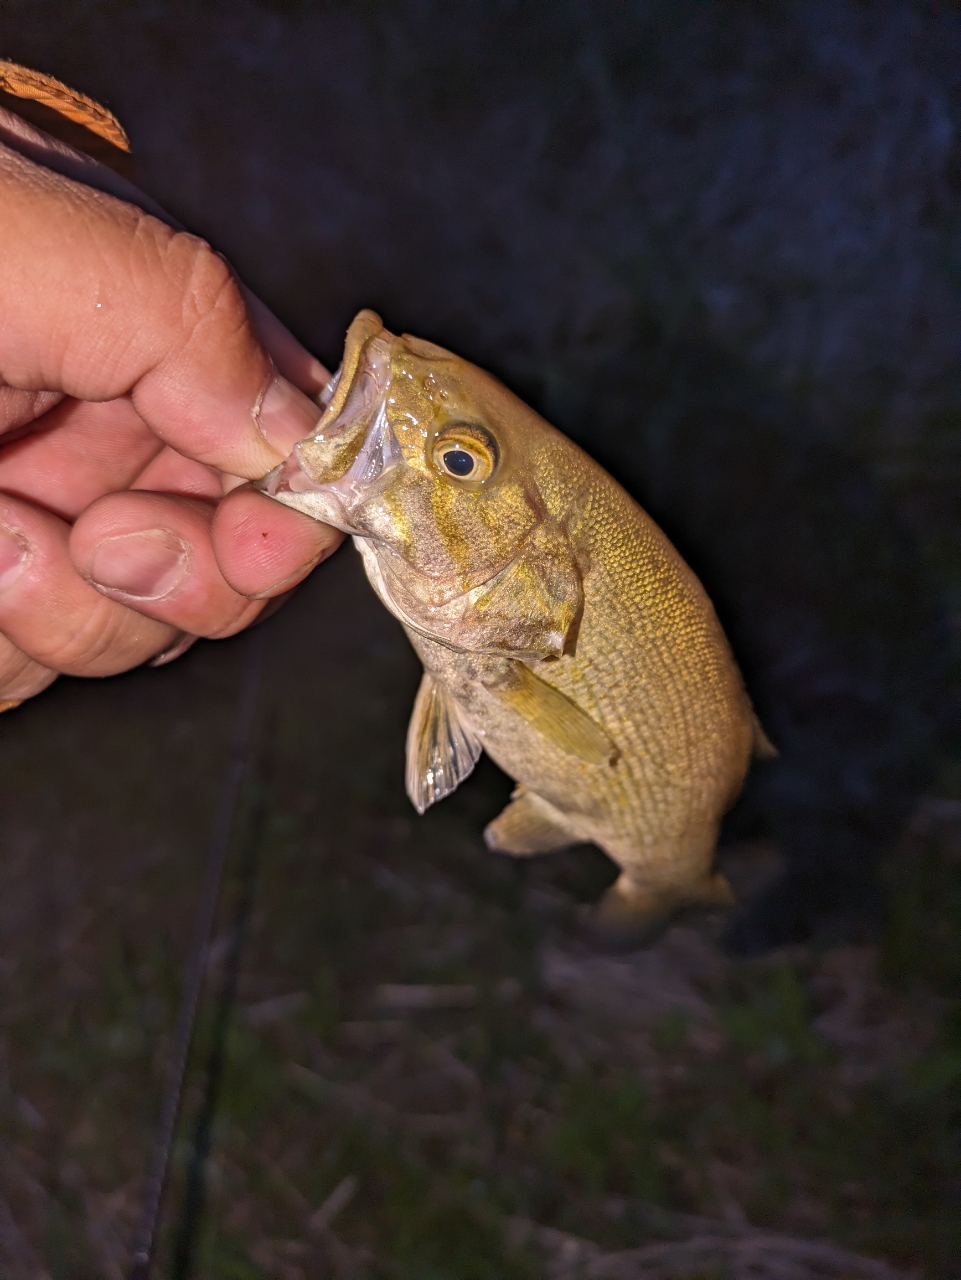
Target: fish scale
{"points": [[559, 629]]}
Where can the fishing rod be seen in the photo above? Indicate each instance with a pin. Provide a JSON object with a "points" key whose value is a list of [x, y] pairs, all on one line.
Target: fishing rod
{"points": [[145, 1238]]}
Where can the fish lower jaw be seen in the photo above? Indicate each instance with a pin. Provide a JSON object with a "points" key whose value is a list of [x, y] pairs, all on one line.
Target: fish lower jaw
{"points": [[323, 504]]}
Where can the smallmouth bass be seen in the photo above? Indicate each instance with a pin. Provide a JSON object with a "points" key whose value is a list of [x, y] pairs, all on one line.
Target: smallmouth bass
{"points": [[558, 628]]}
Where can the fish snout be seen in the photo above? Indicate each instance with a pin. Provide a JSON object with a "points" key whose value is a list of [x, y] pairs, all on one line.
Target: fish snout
{"points": [[338, 467]]}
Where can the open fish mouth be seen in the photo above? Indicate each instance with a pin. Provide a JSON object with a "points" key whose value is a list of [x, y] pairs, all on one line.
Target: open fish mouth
{"points": [[331, 473]]}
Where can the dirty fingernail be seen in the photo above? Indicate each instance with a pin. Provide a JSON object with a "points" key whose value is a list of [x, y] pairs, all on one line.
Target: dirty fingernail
{"points": [[146, 565], [14, 554], [285, 415]]}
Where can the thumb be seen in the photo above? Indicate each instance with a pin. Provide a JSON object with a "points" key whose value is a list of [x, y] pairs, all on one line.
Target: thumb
{"points": [[102, 300]]}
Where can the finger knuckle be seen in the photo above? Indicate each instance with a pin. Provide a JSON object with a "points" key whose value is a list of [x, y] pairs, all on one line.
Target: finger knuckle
{"points": [[105, 640], [211, 294], [20, 676]]}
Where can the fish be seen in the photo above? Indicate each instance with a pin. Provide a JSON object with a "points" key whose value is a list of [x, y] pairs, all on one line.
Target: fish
{"points": [[558, 628]]}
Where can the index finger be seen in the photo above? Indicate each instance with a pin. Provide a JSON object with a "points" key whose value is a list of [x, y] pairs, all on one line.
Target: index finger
{"points": [[102, 300]]}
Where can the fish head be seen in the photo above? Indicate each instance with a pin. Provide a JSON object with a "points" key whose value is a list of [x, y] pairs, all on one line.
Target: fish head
{"points": [[446, 478]]}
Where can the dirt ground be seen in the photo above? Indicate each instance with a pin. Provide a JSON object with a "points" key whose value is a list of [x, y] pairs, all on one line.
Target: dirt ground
{"points": [[426, 1073]]}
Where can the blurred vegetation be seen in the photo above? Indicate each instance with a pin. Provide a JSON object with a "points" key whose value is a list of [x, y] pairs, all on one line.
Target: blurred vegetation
{"points": [[810, 1093]]}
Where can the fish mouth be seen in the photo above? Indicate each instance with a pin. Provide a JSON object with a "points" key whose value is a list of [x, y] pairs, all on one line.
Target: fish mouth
{"points": [[331, 473]]}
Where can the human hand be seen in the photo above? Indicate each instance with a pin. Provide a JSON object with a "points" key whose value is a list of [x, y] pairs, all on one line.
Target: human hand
{"points": [[135, 383]]}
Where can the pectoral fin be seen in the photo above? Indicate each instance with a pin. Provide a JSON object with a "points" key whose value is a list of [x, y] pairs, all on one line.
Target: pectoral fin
{"points": [[553, 714], [442, 748], [528, 825]]}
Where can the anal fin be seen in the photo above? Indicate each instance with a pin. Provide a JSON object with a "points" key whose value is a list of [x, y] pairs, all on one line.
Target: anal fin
{"points": [[442, 747], [528, 825]]}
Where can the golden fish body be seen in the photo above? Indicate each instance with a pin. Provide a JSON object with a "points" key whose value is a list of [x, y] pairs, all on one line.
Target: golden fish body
{"points": [[558, 628]]}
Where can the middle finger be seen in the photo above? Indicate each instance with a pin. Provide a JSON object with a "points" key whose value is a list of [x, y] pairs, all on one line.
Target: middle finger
{"points": [[77, 452], [51, 614], [152, 551]]}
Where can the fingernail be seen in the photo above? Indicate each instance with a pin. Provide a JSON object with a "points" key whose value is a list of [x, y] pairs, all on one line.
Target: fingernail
{"points": [[146, 565], [14, 554], [317, 374], [181, 642], [284, 414]]}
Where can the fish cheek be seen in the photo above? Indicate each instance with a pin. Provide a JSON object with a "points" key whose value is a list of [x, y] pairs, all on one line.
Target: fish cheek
{"points": [[391, 517], [480, 531], [445, 532], [406, 517]]}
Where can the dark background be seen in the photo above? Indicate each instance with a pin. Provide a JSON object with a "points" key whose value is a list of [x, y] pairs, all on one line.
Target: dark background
{"points": [[718, 243]]}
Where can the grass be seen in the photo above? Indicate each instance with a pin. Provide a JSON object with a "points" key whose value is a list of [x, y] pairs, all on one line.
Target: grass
{"points": [[454, 1121]]}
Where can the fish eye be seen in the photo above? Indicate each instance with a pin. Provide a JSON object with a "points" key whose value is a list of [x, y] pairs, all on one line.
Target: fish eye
{"points": [[465, 452], [458, 462]]}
